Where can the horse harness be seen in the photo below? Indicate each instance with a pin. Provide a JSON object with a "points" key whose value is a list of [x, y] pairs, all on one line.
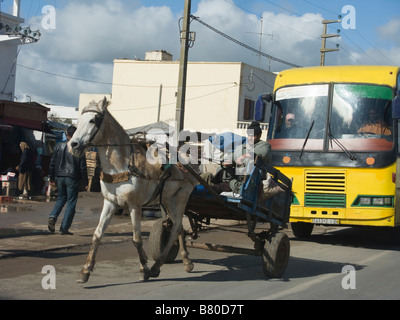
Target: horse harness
{"points": [[98, 120], [118, 177], [133, 170]]}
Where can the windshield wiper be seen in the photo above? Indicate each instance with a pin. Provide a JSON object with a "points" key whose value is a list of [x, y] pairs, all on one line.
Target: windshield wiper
{"points": [[341, 146], [305, 141], [338, 143]]}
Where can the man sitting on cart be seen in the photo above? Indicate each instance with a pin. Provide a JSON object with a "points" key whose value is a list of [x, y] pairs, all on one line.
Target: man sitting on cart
{"points": [[230, 175]]}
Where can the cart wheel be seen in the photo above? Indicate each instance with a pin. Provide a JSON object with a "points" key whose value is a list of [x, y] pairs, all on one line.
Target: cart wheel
{"points": [[276, 255], [302, 229], [158, 239]]}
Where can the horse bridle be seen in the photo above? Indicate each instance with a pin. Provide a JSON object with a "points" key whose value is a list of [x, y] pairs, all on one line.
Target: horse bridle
{"points": [[98, 120]]}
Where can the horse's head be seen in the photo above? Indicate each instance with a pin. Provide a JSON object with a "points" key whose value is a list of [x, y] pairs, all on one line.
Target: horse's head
{"points": [[89, 124]]}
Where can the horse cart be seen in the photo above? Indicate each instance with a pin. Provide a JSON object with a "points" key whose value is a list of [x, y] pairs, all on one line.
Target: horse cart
{"points": [[205, 204], [129, 180]]}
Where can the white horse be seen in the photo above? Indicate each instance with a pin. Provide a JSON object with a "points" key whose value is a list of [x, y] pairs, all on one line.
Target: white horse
{"points": [[128, 178]]}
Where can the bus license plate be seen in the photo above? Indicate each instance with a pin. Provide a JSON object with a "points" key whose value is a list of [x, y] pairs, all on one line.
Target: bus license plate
{"points": [[325, 221]]}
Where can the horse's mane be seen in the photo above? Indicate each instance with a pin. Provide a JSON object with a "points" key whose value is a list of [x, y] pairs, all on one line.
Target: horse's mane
{"points": [[118, 126], [94, 105]]}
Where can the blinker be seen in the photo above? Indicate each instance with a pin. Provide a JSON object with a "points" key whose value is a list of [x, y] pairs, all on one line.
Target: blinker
{"points": [[98, 120]]}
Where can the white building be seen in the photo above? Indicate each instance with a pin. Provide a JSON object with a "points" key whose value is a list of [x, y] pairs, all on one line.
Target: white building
{"points": [[220, 96], [11, 36], [65, 114], [8, 53]]}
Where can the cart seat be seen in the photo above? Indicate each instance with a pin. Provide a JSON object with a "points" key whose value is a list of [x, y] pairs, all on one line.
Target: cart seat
{"points": [[201, 191], [231, 196]]}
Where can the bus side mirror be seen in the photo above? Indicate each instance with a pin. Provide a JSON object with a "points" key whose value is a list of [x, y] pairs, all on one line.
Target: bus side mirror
{"points": [[396, 106], [262, 100], [267, 97]]}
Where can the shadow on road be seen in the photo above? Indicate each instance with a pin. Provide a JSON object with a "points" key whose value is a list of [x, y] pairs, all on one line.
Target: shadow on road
{"points": [[359, 237], [241, 268]]}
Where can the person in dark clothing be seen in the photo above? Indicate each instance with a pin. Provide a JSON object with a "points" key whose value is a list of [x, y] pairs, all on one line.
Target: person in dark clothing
{"points": [[25, 168], [68, 172], [229, 176]]}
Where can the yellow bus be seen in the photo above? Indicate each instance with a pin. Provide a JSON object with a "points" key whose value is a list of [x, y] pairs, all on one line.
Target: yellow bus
{"points": [[332, 131]]}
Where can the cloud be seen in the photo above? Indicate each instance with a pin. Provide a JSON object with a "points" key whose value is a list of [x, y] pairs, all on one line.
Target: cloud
{"points": [[291, 38], [386, 51], [87, 38], [390, 31], [102, 30], [89, 35], [296, 38]]}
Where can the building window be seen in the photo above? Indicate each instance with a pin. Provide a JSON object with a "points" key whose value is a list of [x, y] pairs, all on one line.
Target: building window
{"points": [[248, 112]]}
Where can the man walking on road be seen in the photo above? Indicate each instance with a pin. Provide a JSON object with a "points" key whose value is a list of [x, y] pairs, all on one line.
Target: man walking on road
{"points": [[67, 171]]}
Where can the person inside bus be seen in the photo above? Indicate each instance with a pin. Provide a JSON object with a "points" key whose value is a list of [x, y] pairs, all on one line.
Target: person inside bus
{"points": [[290, 122], [291, 128], [374, 125]]}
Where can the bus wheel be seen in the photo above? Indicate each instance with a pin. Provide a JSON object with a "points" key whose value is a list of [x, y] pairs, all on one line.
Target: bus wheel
{"points": [[302, 229]]}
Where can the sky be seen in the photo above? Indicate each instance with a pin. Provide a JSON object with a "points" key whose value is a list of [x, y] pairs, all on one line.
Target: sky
{"points": [[80, 39]]}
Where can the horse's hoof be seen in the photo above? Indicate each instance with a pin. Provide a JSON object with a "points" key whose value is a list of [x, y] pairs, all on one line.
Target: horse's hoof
{"points": [[154, 273], [144, 276], [189, 267], [84, 278]]}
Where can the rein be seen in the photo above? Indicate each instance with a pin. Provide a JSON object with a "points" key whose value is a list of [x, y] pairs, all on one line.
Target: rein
{"points": [[133, 170]]}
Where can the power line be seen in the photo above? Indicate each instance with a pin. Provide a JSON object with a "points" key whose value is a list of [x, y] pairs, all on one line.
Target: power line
{"points": [[317, 6], [173, 103], [365, 39], [359, 34], [245, 45], [63, 76], [343, 48], [312, 21], [120, 84], [280, 24]]}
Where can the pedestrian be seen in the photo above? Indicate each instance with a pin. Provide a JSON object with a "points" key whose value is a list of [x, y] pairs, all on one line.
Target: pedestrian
{"points": [[68, 172], [25, 168]]}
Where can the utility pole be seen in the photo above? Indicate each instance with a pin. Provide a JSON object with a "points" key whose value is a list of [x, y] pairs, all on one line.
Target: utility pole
{"points": [[159, 103], [324, 36], [185, 38]]}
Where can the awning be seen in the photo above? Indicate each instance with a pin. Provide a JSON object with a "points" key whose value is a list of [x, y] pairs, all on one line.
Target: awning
{"points": [[25, 123], [57, 125], [155, 128], [26, 115], [4, 126]]}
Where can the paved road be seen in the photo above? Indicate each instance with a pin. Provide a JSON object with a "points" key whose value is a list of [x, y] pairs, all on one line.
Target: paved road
{"points": [[315, 271]]}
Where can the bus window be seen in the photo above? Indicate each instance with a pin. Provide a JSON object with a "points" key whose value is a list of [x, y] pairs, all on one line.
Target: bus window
{"points": [[362, 117], [299, 110]]}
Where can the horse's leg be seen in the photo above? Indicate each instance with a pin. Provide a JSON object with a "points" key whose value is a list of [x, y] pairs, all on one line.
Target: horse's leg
{"points": [[176, 207], [108, 209], [184, 252], [136, 217]]}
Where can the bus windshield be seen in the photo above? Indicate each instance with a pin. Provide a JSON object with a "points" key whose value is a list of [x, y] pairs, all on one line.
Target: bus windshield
{"points": [[359, 118]]}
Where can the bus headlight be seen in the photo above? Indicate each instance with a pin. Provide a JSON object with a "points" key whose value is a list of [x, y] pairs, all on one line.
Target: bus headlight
{"points": [[377, 201], [371, 201], [388, 201], [364, 201]]}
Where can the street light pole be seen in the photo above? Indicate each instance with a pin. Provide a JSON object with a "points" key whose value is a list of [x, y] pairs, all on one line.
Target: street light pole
{"points": [[185, 37]]}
